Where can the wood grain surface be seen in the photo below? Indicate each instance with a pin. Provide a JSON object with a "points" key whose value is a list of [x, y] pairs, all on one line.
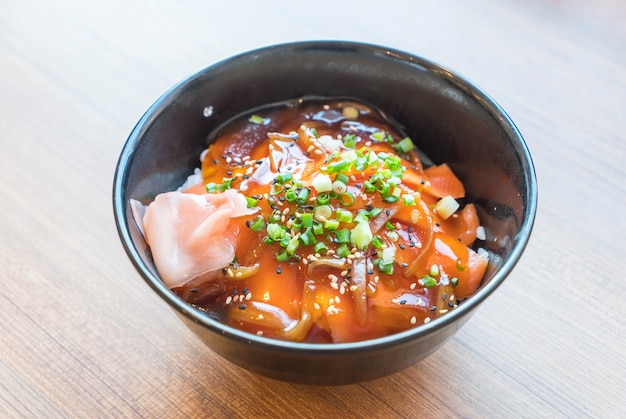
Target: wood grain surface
{"points": [[83, 336]]}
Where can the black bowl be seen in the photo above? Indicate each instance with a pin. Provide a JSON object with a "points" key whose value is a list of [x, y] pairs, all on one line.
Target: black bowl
{"points": [[450, 119]]}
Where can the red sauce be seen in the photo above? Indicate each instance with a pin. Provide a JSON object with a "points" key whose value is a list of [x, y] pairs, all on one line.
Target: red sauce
{"points": [[323, 294]]}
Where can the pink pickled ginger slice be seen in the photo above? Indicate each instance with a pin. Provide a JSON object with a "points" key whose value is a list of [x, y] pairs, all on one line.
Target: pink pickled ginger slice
{"points": [[191, 235]]}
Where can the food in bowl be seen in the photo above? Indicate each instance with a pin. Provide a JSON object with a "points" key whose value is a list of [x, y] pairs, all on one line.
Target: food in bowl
{"points": [[315, 220]]}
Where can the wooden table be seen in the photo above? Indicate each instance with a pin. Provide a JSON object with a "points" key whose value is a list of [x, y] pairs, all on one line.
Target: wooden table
{"points": [[83, 336]]}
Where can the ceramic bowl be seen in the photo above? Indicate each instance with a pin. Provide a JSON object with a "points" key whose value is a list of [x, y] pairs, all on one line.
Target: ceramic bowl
{"points": [[450, 119]]}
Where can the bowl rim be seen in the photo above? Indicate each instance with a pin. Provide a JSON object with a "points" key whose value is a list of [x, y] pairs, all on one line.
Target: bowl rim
{"points": [[182, 308]]}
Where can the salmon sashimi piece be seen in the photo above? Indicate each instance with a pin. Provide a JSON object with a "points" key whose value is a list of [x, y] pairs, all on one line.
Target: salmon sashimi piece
{"points": [[192, 235]]}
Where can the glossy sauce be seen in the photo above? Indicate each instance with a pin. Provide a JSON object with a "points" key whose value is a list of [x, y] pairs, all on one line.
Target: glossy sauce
{"points": [[320, 296]]}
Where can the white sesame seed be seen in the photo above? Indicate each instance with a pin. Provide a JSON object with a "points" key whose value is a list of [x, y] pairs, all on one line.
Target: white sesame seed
{"points": [[337, 299], [427, 320], [444, 311], [260, 317], [259, 333], [229, 299], [332, 277], [230, 273], [319, 152], [316, 306], [238, 275], [342, 289], [248, 296], [353, 288], [413, 285], [413, 320]]}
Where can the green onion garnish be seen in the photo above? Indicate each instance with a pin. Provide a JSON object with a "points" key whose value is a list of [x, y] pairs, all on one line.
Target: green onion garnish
{"points": [[323, 198], [331, 225], [343, 236], [251, 202], [282, 256], [405, 145], [307, 238], [343, 216], [343, 251], [346, 199], [256, 119], [284, 177], [257, 224], [320, 247], [429, 281], [307, 220]]}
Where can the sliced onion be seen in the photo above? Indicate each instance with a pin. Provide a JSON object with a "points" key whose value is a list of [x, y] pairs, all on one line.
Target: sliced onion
{"points": [[359, 279], [325, 261]]}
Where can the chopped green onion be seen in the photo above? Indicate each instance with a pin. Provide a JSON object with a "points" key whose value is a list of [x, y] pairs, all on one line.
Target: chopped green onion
{"points": [[323, 212], [303, 195], [343, 236], [275, 231], [251, 202], [349, 156], [257, 224], [434, 270], [320, 247], [378, 136], [409, 199], [405, 145], [389, 225], [343, 251], [361, 235], [342, 178], [362, 216], [314, 132], [338, 166], [308, 238], [346, 199], [455, 281], [292, 246], [343, 216], [307, 220], [318, 229], [256, 119], [282, 256], [324, 198], [375, 211], [331, 225], [349, 141], [211, 187], [386, 268], [361, 164], [284, 177], [377, 242], [322, 183], [284, 242], [275, 216], [339, 187], [369, 186], [388, 254], [428, 281], [291, 195]]}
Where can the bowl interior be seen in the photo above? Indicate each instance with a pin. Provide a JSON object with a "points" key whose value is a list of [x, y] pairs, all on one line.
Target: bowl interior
{"points": [[448, 118]]}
